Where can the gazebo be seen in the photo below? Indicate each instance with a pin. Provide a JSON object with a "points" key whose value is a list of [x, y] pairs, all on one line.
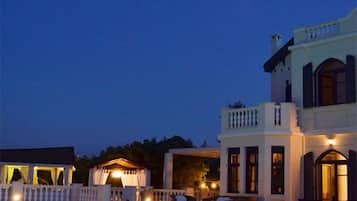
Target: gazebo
{"points": [[47, 166], [128, 172]]}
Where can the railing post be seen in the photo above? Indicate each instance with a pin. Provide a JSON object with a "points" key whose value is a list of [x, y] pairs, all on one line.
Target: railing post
{"points": [[31, 173], [224, 119], [168, 170], [17, 191], [129, 193], [104, 193], [266, 115], [75, 191], [147, 194], [288, 116], [2, 174]]}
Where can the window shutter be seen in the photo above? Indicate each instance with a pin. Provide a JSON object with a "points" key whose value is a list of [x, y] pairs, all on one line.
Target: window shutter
{"points": [[307, 85], [309, 176], [352, 175], [350, 79]]}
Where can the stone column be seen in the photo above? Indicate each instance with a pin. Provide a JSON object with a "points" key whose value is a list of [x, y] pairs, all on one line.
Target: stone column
{"points": [[2, 174], [104, 193], [66, 175], [31, 172], [168, 171], [17, 191], [75, 191]]}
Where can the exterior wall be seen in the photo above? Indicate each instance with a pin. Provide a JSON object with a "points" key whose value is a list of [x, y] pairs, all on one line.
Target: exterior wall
{"points": [[279, 75], [330, 119], [318, 124], [343, 143], [316, 53], [293, 144]]}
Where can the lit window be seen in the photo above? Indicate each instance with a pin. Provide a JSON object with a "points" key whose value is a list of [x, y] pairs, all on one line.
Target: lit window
{"points": [[233, 170], [277, 170], [332, 83], [252, 170]]}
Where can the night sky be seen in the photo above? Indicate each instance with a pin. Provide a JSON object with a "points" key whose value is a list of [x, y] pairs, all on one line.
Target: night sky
{"points": [[91, 74]]}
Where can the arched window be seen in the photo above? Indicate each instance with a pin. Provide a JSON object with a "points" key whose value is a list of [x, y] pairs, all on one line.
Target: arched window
{"points": [[331, 79]]}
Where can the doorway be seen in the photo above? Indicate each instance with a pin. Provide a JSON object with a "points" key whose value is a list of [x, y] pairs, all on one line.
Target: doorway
{"points": [[334, 176]]}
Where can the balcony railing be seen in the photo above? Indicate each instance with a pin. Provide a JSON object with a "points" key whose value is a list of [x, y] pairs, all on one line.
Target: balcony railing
{"points": [[341, 26], [267, 117], [317, 32]]}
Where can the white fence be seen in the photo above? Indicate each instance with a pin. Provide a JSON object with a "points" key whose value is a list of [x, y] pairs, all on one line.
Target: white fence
{"points": [[45, 193], [4, 192], [77, 192], [165, 194]]}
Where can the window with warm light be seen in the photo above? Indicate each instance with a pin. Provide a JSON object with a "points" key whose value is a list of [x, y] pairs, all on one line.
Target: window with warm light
{"points": [[277, 170], [252, 170], [17, 173], [233, 170], [332, 82]]}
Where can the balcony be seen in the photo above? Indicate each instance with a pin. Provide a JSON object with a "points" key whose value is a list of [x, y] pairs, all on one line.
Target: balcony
{"points": [[267, 118], [341, 26], [330, 119]]}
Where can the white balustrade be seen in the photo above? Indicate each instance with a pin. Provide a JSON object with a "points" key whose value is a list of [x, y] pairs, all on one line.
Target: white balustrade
{"points": [[242, 118], [88, 193], [77, 192], [116, 194], [45, 193], [4, 191], [277, 115], [165, 194], [322, 30], [267, 116], [316, 32]]}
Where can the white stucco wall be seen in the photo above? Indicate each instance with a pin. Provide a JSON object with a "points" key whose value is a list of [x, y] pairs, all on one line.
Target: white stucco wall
{"points": [[318, 144], [317, 52], [294, 146], [279, 75]]}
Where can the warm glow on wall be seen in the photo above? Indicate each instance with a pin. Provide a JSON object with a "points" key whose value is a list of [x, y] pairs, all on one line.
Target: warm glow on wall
{"points": [[213, 185], [203, 185], [331, 141], [16, 197], [116, 174]]}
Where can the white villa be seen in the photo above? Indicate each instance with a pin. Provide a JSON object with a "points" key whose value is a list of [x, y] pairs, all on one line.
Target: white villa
{"points": [[302, 145]]}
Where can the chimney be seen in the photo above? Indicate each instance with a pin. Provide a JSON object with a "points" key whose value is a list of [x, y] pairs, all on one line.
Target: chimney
{"points": [[275, 43]]}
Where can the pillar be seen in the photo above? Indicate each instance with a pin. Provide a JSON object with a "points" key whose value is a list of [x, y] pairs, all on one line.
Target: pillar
{"points": [[168, 171], [66, 175], [129, 193], [75, 191], [17, 191], [2, 174], [104, 193], [31, 172]]}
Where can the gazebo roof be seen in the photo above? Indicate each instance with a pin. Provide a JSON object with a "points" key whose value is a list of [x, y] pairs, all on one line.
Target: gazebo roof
{"points": [[51, 155], [121, 163]]}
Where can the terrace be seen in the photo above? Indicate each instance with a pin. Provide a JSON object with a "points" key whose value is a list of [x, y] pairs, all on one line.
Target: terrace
{"points": [[267, 118]]}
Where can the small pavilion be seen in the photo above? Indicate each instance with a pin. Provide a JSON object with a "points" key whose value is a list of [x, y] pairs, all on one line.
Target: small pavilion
{"points": [[46, 166], [130, 173]]}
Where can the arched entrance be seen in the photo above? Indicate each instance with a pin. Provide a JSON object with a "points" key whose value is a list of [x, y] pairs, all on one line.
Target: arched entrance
{"points": [[332, 168]]}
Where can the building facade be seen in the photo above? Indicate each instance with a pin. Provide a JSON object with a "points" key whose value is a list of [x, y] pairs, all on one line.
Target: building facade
{"points": [[302, 144]]}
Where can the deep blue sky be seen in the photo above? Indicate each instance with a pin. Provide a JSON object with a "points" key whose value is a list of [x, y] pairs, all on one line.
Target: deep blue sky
{"points": [[96, 73]]}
